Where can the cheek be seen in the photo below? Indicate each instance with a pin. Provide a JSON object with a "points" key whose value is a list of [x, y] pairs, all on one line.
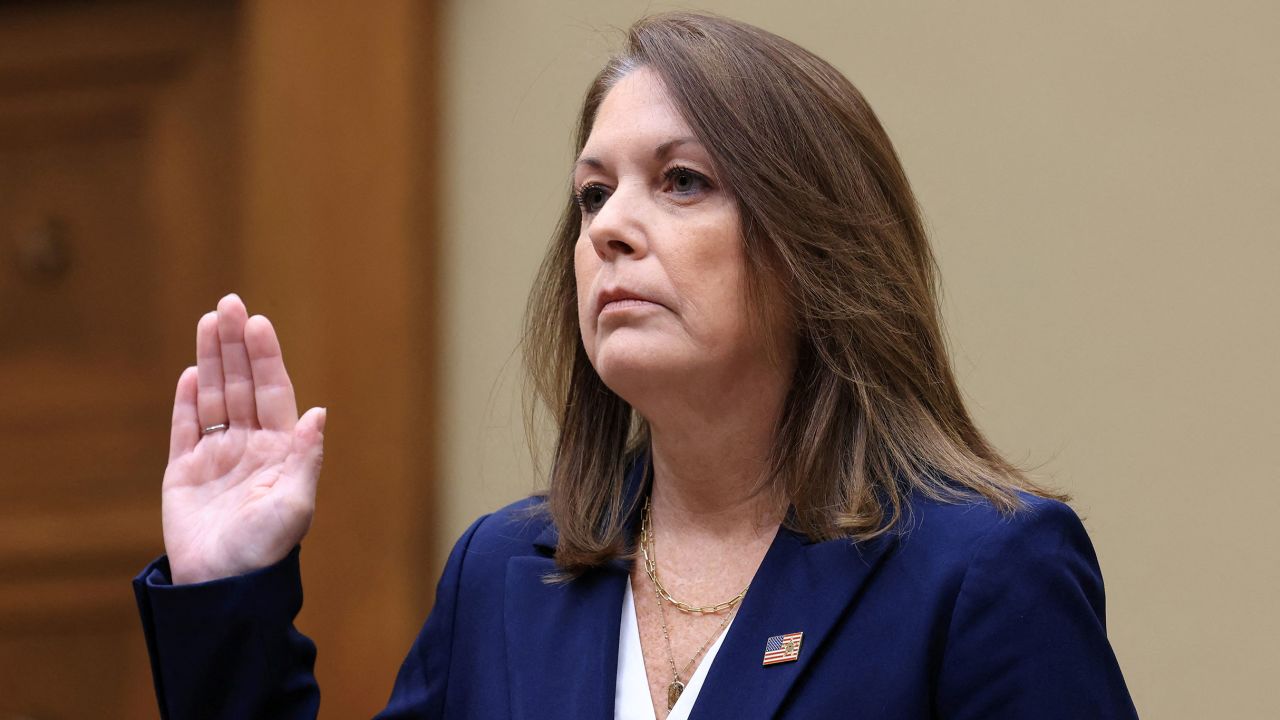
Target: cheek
{"points": [[712, 273], [585, 266]]}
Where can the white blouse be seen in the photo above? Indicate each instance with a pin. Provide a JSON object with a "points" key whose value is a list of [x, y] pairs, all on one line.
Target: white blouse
{"points": [[631, 699]]}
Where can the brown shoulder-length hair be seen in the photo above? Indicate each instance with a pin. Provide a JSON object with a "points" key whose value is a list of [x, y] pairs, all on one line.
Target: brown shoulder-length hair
{"points": [[873, 412]]}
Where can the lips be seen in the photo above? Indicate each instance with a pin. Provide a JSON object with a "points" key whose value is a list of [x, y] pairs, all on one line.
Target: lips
{"points": [[623, 297]]}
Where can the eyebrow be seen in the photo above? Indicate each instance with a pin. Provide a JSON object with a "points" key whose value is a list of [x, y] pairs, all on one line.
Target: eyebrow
{"points": [[658, 153]]}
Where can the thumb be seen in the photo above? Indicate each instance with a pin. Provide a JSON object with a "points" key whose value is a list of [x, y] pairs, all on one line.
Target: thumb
{"points": [[307, 453]]}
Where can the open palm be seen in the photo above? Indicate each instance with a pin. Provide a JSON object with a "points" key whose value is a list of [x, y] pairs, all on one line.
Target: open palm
{"points": [[237, 499]]}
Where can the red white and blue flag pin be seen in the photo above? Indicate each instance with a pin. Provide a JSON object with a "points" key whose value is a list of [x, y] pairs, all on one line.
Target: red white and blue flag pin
{"points": [[782, 648]]}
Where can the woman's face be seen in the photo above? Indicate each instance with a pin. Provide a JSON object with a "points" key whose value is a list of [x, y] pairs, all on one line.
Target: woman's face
{"points": [[660, 266]]}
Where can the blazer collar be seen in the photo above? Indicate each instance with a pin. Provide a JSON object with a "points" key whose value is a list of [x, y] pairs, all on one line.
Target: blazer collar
{"points": [[801, 586], [635, 485], [562, 639]]}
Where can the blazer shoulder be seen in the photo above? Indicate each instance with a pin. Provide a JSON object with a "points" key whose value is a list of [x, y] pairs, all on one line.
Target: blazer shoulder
{"points": [[977, 517], [952, 534], [515, 529], [1027, 628]]}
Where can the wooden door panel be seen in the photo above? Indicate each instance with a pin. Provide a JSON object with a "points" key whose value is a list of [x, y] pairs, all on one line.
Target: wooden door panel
{"points": [[113, 122], [153, 156]]}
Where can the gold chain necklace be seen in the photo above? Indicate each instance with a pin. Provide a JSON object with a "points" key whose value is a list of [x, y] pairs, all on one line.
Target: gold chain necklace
{"points": [[651, 569], [647, 547]]}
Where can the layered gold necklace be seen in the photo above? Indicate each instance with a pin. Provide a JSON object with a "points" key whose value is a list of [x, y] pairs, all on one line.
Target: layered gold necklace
{"points": [[649, 550]]}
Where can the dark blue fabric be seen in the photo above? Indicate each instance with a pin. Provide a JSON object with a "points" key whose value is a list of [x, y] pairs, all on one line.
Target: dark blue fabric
{"points": [[228, 649], [964, 614]]}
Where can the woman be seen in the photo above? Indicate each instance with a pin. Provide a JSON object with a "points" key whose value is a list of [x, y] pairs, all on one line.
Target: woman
{"points": [[767, 498]]}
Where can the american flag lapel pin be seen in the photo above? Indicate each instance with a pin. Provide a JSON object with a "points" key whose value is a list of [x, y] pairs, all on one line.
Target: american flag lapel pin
{"points": [[782, 648]]}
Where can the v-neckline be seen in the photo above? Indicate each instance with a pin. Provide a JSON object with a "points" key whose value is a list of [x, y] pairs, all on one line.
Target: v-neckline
{"points": [[633, 676]]}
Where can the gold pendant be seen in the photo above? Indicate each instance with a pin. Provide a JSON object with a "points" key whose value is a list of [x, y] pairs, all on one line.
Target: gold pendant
{"points": [[673, 693]]}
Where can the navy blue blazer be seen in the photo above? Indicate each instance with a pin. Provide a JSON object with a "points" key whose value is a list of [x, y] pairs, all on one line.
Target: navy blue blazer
{"points": [[964, 614]]}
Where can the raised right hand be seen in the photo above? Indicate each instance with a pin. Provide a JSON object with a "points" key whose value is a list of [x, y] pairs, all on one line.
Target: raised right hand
{"points": [[239, 499]]}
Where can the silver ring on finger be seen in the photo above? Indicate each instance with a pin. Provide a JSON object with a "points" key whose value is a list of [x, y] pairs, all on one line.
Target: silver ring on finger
{"points": [[214, 428]]}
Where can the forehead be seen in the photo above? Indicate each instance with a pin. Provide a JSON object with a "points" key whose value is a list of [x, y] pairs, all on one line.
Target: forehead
{"points": [[636, 114]]}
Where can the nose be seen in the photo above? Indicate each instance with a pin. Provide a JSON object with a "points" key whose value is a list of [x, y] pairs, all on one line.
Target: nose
{"points": [[619, 227]]}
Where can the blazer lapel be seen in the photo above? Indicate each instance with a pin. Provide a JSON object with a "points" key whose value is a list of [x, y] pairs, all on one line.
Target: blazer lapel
{"points": [[562, 639], [800, 587]]}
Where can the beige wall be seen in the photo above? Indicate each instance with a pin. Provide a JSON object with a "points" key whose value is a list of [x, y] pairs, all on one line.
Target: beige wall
{"points": [[1101, 182]]}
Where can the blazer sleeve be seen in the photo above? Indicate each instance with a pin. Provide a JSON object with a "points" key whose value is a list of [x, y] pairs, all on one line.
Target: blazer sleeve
{"points": [[1027, 637], [228, 649]]}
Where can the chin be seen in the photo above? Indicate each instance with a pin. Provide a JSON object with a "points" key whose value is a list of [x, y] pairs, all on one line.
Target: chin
{"points": [[633, 369]]}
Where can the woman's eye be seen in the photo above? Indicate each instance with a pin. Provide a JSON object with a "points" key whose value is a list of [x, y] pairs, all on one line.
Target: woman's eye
{"points": [[591, 197], [684, 181]]}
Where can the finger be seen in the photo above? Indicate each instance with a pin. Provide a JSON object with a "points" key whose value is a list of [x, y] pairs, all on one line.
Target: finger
{"points": [[237, 377], [302, 466], [185, 431], [277, 408], [212, 409]]}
